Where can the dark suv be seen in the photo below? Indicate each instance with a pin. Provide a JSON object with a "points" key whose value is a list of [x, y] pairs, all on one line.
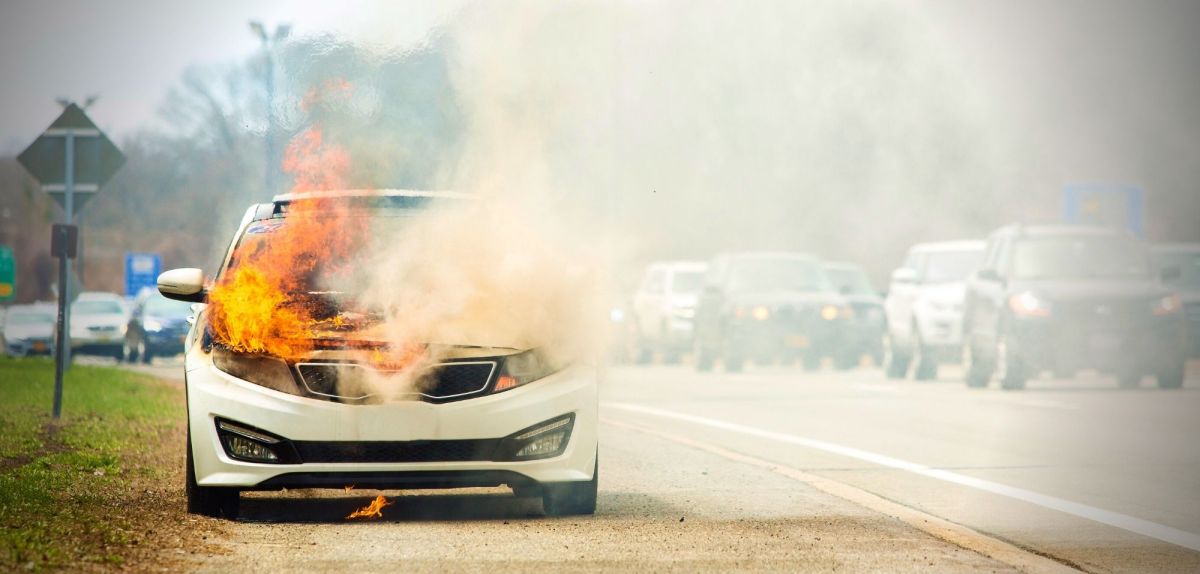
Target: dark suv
{"points": [[1068, 298], [768, 306]]}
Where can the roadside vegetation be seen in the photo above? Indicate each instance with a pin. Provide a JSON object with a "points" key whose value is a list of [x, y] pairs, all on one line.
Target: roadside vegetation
{"points": [[75, 493]]}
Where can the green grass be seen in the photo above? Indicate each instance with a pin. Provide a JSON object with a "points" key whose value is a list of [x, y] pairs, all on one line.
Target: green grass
{"points": [[61, 484]]}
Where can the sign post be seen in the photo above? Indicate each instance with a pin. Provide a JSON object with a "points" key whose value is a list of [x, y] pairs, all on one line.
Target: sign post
{"points": [[8, 275], [70, 158]]}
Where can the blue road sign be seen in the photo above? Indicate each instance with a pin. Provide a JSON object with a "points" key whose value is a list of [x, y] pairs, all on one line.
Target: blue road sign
{"points": [[1104, 204], [141, 271]]}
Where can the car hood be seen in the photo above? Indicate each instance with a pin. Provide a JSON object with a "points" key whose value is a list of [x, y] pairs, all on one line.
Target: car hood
{"points": [[862, 299], [83, 321], [783, 298], [1085, 290], [167, 322], [33, 331]]}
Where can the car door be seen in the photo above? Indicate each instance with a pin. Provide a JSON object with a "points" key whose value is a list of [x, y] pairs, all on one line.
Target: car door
{"points": [[986, 293], [901, 295]]}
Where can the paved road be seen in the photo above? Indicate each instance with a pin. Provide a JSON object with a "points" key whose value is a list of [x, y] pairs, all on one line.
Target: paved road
{"points": [[778, 469]]}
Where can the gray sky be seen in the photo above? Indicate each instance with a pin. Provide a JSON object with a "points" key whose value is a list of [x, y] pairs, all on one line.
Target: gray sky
{"points": [[130, 51]]}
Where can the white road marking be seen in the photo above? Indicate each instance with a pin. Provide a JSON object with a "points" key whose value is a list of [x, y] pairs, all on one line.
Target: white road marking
{"points": [[1116, 519]]}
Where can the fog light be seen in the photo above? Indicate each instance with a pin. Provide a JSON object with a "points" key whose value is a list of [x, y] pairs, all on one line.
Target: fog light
{"points": [[545, 440], [250, 444], [244, 448]]}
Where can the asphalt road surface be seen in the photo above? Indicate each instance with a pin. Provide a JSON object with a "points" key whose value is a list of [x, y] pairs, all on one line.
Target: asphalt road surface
{"points": [[779, 469]]}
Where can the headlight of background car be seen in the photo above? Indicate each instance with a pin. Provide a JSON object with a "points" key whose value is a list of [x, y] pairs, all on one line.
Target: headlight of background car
{"points": [[1168, 305], [1027, 304], [262, 370], [523, 368]]}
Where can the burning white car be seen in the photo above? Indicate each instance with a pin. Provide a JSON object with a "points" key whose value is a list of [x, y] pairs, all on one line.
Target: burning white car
{"points": [[294, 384]]}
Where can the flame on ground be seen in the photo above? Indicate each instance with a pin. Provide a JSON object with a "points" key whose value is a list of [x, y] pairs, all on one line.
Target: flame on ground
{"points": [[373, 510]]}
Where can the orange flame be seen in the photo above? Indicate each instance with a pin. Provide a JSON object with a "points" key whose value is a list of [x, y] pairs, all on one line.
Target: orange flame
{"points": [[373, 510], [254, 306]]}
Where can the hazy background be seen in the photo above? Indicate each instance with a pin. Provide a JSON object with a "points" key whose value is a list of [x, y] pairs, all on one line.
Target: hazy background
{"points": [[661, 129]]}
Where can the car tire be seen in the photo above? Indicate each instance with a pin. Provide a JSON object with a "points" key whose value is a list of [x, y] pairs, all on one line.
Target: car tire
{"points": [[895, 363], [704, 359], [926, 364], [734, 363], [144, 351], [978, 370], [1171, 378], [1014, 373], [129, 351], [643, 355], [672, 357], [214, 501], [571, 498]]}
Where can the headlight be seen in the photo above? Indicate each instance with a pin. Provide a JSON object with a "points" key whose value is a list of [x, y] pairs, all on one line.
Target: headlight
{"points": [[1168, 305], [1027, 304], [263, 370], [760, 313], [152, 325], [523, 368], [616, 315], [544, 440], [829, 312]]}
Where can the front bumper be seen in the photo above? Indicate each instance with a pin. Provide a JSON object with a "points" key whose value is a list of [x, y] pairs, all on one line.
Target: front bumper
{"points": [[1144, 348], [32, 346], [212, 394], [941, 328]]}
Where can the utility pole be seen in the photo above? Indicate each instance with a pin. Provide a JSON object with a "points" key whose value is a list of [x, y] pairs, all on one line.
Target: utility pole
{"points": [[269, 43]]}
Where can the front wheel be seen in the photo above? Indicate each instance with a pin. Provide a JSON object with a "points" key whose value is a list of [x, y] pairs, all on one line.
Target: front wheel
{"points": [[214, 501], [978, 370], [927, 366], [571, 498], [895, 361], [1014, 372], [1171, 378]]}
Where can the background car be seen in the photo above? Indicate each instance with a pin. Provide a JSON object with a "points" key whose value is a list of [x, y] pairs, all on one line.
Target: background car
{"points": [[924, 307], [98, 322], [1068, 298], [1179, 265], [29, 330], [664, 306], [767, 306], [157, 327], [864, 330]]}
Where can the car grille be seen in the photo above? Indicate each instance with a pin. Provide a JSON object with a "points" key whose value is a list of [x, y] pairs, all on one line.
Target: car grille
{"points": [[387, 451], [1104, 315], [444, 381]]}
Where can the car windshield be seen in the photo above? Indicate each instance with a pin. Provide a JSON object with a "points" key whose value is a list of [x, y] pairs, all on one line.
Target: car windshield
{"points": [[849, 280], [1188, 265], [950, 266], [1100, 257], [28, 317], [687, 281], [96, 308], [163, 307], [777, 274]]}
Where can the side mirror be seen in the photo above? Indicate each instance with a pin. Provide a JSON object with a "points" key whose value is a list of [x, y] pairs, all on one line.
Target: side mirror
{"points": [[1170, 274], [904, 276], [186, 284], [989, 274]]}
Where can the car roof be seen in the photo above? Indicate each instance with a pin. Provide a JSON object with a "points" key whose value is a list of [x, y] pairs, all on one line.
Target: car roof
{"points": [[1177, 248], [679, 265], [99, 296], [944, 246], [842, 265], [1062, 230], [771, 255]]}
